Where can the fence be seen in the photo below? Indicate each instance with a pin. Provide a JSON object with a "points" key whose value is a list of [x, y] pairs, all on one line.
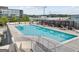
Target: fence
{"points": [[45, 45]]}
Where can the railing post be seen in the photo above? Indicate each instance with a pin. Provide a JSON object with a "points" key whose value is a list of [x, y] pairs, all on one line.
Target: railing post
{"points": [[55, 48], [31, 44], [48, 44]]}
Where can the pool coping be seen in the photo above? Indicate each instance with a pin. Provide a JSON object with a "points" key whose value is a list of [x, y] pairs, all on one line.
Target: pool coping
{"points": [[61, 31], [14, 37], [47, 37]]}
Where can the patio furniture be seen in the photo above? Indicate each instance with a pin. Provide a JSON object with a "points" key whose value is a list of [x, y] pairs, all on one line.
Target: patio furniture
{"points": [[0, 39], [4, 48], [70, 28], [8, 48], [26, 46], [76, 30], [1, 35], [63, 28]]}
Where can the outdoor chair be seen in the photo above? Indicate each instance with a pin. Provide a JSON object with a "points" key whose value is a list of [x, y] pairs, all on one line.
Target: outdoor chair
{"points": [[8, 48], [76, 30], [25, 46], [63, 28], [70, 27]]}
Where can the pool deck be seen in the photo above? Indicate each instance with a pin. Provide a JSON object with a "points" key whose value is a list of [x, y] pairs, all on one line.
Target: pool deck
{"points": [[17, 36]]}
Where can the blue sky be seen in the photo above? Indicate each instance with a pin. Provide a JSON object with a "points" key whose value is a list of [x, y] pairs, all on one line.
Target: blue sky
{"points": [[38, 10]]}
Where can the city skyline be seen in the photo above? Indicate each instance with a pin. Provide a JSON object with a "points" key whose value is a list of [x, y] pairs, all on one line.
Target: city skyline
{"points": [[39, 10]]}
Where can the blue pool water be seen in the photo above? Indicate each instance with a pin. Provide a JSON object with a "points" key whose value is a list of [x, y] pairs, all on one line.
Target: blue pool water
{"points": [[41, 31]]}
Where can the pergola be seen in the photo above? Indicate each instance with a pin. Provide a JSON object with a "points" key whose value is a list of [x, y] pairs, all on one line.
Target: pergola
{"points": [[58, 23]]}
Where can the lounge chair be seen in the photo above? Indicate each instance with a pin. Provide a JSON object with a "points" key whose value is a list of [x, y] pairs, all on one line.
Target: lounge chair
{"points": [[0, 39], [1, 35], [63, 28], [25, 46], [8, 48], [4, 48], [70, 27], [76, 30]]}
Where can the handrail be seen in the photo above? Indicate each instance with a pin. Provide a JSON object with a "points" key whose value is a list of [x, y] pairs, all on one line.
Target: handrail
{"points": [[53, 47], [40, 38], [48, 42]]}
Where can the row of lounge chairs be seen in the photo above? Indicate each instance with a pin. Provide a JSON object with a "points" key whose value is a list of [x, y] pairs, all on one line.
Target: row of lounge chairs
{"points": [[66, 27], [62, 27]]}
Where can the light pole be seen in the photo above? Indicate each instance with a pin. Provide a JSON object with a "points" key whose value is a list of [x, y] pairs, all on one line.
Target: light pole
{"points": [[44, 9]]}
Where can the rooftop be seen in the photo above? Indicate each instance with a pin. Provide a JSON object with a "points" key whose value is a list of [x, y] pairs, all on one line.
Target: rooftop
{"points": [[3, 7]]}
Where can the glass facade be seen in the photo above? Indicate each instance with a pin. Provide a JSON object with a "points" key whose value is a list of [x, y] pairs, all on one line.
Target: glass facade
{"points": [[11, 12]]}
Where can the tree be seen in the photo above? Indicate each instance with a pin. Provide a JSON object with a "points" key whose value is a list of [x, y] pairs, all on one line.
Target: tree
{"points": [[14, 19], [19, 20], [3, 20], [25, 19]]}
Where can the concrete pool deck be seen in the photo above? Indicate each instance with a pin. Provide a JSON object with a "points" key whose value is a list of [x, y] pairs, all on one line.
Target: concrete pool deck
{"points": [[73, 45]]}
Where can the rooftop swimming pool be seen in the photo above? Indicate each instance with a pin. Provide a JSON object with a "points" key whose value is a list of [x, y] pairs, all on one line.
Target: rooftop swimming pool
{"points": [[41, 31]]}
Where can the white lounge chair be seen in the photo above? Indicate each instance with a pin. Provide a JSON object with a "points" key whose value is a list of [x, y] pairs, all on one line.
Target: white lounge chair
{"points": [[8, 48], [4, 48], [25, 46], [76, 31]]}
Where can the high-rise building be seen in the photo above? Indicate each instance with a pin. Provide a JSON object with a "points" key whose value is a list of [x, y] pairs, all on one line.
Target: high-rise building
{"points": [[4, 11]]}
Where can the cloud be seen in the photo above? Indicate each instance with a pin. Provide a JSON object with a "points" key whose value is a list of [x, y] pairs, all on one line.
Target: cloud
{"points": [[49, 9]]}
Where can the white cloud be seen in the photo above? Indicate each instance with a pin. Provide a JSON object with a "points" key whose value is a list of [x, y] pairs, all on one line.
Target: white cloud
{"points": [[49, 9]]}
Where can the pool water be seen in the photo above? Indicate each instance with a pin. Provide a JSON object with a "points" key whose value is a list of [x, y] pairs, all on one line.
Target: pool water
{"points": [[41, 31]]}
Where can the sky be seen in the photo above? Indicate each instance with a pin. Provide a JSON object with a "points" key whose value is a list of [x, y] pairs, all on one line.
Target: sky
{"points": [[38, 10]]}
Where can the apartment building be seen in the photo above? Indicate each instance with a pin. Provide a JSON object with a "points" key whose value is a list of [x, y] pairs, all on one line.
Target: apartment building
{"points": [[5, 11]]}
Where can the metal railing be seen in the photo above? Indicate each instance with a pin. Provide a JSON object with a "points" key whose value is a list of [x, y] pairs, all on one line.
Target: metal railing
{"points": [[41, 44], [45, 45]]}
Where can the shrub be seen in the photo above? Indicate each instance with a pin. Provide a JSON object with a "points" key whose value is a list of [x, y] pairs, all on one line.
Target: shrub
{"points": [[14, 19], [3, 20], [25, 19]]}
